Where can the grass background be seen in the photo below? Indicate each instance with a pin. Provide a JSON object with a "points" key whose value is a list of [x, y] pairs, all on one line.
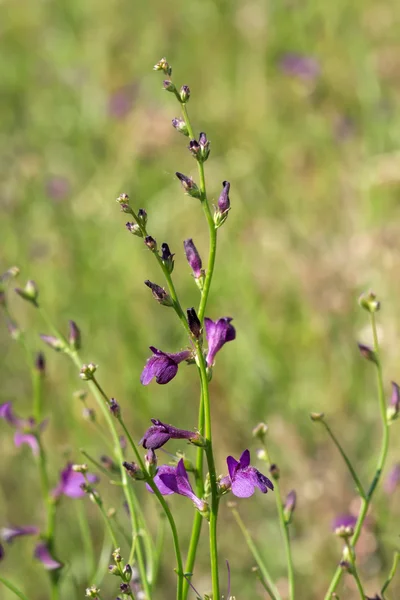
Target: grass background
{"points": [[314, 167]]}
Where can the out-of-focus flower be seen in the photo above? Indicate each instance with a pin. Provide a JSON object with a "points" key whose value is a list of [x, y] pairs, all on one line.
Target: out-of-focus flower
{"points": [[42, 553], [343, 521], [218, 333], [159, 433], [303, 67], [120, 102], [162, 365], [70, 483], [176, 481], [8, 534], [58, 188], [290, 505], [244, 478], [26, 429], [394, 405], [392, 481]]}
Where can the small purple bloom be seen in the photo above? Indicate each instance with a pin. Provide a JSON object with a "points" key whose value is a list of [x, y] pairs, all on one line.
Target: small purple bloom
{"points": [[218, 333], [162, 366], [26, 429], [393, 479], [304, 67], [42, 553], [244, 478], [8, 534], [70, 483], [27, 438], [163, 470], [58, 188], [344, 520], [224, 203], [178, 482], [159, 433], [193, 258]]}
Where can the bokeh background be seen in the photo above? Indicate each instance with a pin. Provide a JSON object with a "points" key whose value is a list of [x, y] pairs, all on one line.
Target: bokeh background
{"points": [[300, 101]]}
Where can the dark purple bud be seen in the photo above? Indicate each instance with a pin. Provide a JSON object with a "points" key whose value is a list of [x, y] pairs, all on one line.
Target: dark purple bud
{"points": [[40, 363], [194, 148], [223, 200], [150, 243], [42, 553], [184, 94], [167, 257], [204, 145], [134, 228], [125, 589], [194, 323], [181, 126], [345, 565], [30, 292], [274, 471], [368, 353], [394, 406], [163, 65], [189, 186], [108, 463], [74, 337], [169, 86], [159, 433], [193, 258], [159, 293], [369, 302], [115, 408], [142, 217], [127, 571], [133, 470], [289, 506], [55, 343]]}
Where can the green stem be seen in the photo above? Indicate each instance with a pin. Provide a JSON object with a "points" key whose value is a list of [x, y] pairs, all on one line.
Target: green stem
{"points": [[365, 502], [107, 521], [12, 588], [346, 459], [354, 570], [212, 472], [274, 593], [86, 540], [392, 573], [165, 507]]}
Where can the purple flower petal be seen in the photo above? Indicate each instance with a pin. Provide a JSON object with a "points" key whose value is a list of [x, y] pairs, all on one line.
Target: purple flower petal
{"points": [[70, 483], [42, 553], [164, 489], [232, 466], [344, 521], [243, 484], [218, 333], [159, 433], [162, 366], [7, 413], [7, 534], [244, 459], [304, 67], [27, 438], [244, 478], [393, 479], [262, 482]]}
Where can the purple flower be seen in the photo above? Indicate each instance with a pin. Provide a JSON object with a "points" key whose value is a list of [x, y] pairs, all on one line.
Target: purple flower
{"points": [[175, 480], [393, 479], [159, 433], [8, 534], [162, 366], [217, 334], [26, 429], [70, 483], [344, 520], [224, 203], [42, 553], [304, 67], [58, 188], [244, 478], [193, 258]]}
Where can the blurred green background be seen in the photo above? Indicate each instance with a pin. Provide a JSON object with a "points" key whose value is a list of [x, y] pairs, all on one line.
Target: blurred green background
{"points": [[300, 101]]}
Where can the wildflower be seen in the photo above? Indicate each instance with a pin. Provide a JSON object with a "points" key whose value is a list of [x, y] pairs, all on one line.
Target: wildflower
{"points": [[8, 534], [169, 86], [189, 186], [42, 553], [26, 429], [244, 478], [223, 200], [344, 521], [369, 302], [200, 149], [159, 433], [115, 408], [193, 258], [290, 506], [394, 405], [163, 366], [180, 125], [150, 243], [175, 480], [53, 342], [134, 228], [303, 67], [184, 94], [74, 337], [393, 479], [30, 292], [70, 483], [218, 333], [163, 65], [167, 258]]}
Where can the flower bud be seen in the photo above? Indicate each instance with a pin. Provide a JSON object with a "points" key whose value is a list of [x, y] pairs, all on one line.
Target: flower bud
{"points": [[193, 258], [369, 302], [133, 470], [40, 363], [92, 592], [114, 408], [224, 205], [260, 431], [134, 228], [80, 395], [159, 294], [13, 329], [189, 186], [394, 406], [74, 337], [181, 126], [198, 440], [184, 94], [80, 468], [127, 571], [151, 462], [344, 531], [123, 199], [167, 258], [30, 292], [55, 343], [314, 416], [125, 589], [225, 485], [87, 371], [9, 274], [368, 353], [117, 555], [89, 414], [162, 65], [150, 243], [275, 471], [113, 570], [194, 323], [204, 147], [289, 506], [169, 86], [108, 463], [142, 217]]}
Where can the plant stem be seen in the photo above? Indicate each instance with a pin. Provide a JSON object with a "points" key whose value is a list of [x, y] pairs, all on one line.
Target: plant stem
{"points": [[354, 571], [86, 540], [365, 502], [212, 473], [284, 525], [273, 591], [346, 459], [392, 572], [107, 521], [12, 587], [165, 507]]}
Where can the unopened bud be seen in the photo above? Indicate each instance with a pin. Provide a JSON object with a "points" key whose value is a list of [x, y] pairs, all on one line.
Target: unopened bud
{"points": [[92, 592], [198, 440], [167, 258], [142, 217], [189, 186], [163, 65], [314, 416], [150, 243], [40, 363], [200, 149], [184, 94], [274, 471], [30, 292], [194, 323], [134, 228], [80, 468], [260, 431], [225, 485], [117, 555], [394, 406], [133, 470], [344, 531], [368, 353], [181, 126], [159, 294], [289, 506], [224, 205], [87, 371], [127, 571], [123, 199], [125, 589], [74, 337], [169, 86], [193, 258], [113, 570], [55, 343], [115, 408], [369, 302]]}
